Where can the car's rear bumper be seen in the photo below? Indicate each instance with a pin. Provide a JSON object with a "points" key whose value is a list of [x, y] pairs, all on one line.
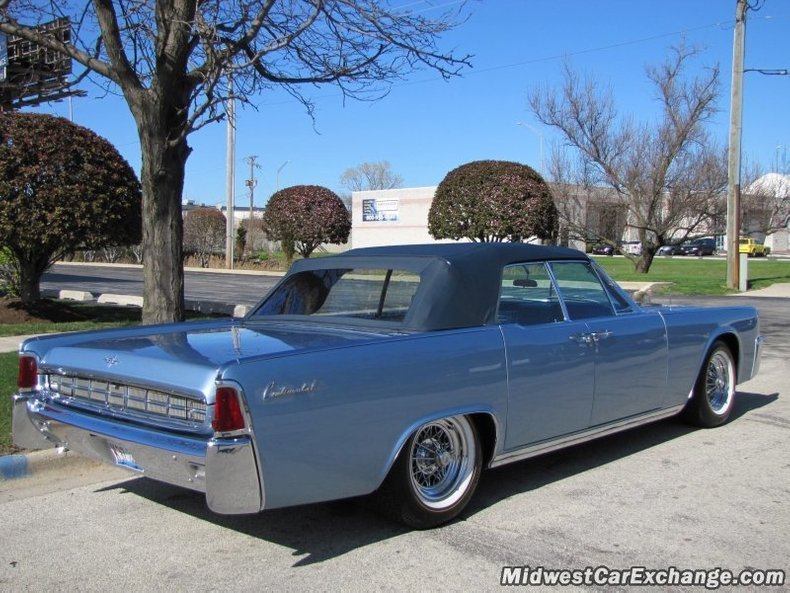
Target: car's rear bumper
{"points": [[223, 468]]}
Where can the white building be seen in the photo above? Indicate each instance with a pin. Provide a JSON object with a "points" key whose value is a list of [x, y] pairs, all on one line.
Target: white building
{"points": [[400, 216], [770, 211], [391, 216]]}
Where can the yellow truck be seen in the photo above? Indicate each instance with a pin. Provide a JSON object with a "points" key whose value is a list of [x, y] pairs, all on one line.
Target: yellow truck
{"points": [[752, 248]]}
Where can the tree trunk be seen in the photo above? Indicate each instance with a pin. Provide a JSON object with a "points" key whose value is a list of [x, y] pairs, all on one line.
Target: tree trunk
{"points": [[29, 284], [645, 261], [162, 179]]}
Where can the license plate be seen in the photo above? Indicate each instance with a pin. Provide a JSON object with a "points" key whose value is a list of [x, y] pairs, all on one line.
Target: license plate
{"points": [[123, 458]]}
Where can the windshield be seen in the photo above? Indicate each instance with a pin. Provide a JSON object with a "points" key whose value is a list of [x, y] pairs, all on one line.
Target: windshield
{"points": [[366, 293]]}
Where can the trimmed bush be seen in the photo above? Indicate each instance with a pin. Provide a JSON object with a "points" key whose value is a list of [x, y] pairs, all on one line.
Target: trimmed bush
{"points": [[302, 217], [493, 201], [62, 188]]}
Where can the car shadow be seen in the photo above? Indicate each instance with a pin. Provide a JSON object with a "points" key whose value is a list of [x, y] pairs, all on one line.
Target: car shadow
{"points": [[516, 478], [319, 532], [314, 532]]}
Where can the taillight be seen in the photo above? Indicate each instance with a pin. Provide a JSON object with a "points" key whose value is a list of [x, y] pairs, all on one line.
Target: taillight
{"points": [[27, 378], [227, 411]]}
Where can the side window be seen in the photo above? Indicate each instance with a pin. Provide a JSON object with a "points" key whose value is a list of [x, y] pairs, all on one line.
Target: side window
{"points": [[581, 290], [619, 301], [527, 296]]}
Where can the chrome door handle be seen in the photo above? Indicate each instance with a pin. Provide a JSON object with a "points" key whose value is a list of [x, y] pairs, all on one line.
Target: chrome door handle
{"points": [[582, 339], [598, 336]]}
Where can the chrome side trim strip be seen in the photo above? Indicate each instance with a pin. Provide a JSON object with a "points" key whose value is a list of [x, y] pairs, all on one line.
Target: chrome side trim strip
{"points": [[582, 437]]}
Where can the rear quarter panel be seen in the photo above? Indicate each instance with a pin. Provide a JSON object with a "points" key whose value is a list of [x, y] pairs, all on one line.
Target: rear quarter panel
{"points": [[350, 410]]}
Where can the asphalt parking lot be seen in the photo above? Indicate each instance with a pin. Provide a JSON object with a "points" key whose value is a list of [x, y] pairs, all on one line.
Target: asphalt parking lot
{"points": [[660, 496]]}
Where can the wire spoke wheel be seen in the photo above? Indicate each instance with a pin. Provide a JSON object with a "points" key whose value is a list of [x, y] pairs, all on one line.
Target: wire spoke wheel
{"points": [[713, 397], [435, 474], [442, 462], [719, 382]]}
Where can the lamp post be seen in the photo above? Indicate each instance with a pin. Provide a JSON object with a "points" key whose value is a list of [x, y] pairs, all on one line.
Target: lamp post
{"points": [[277, 177], [783, 149], [539, 134]]}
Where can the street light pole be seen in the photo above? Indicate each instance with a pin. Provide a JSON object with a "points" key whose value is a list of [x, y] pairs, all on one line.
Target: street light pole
{"points": [[539, 134], [277, 177], [734, 155], [783, 148]]}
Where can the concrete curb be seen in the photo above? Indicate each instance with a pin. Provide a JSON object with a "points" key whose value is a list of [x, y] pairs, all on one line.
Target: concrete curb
{"points": [[24, 465], [128, 300], [120, 299], [186, 269]]}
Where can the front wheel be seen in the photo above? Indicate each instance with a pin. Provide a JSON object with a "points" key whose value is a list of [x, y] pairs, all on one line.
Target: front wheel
{"points": [[435, 474], [714, 392]]}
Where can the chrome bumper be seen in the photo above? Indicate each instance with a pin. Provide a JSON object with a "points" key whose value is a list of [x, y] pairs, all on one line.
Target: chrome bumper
{"points": [[223, 468]]}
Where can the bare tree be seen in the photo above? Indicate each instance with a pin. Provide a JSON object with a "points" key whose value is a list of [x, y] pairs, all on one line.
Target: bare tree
{"points": [[204, 233], [176, 62], [667, 177], [255, 235], [765, 201], [137, 253], [369, 176]]}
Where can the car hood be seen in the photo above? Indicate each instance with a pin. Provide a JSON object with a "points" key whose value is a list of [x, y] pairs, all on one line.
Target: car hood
{"points": [[187, 356]]}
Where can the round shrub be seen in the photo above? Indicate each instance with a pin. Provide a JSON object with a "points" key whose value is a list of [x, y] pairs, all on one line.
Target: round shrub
{"points": [[493, 201], [305, 216]]}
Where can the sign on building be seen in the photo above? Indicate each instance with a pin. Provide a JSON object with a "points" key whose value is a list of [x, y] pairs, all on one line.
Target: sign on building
{"points": [[374, 210]]}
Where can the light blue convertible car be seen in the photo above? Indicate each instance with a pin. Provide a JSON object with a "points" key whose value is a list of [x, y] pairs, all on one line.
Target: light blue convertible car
{"points": [[402, 371]]}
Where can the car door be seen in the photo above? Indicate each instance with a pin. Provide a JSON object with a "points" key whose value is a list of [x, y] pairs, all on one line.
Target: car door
{"points": [[628, 344], [551, 373]]}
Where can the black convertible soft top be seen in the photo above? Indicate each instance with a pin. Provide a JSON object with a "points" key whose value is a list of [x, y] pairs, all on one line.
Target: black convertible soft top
{"points": [[474, 254], [459, 282]]}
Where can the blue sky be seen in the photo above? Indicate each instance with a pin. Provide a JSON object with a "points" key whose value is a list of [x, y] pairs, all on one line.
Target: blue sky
{"points": [[426, 126]]}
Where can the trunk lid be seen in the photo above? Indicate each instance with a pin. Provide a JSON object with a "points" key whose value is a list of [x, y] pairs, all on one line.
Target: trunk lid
{"points": [[187, 357]]}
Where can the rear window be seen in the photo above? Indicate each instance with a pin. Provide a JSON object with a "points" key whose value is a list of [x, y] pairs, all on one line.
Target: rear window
{"points": [[368, 294]]}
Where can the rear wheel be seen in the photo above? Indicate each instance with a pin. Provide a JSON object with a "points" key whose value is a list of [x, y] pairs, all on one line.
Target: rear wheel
{"points": [[714, 391], [435, 474]]}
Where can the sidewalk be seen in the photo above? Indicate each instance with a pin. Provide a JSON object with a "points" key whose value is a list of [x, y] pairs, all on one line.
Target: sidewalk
{"points": [[11, 343], [781, 291]]}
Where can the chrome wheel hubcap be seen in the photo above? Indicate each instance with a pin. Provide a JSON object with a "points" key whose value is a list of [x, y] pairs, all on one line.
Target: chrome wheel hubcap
{"points": [[442, 461]]}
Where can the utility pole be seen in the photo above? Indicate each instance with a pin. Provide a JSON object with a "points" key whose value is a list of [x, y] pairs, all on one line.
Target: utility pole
{"points": [[230, 180], [251, 183], [734, 157]]}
